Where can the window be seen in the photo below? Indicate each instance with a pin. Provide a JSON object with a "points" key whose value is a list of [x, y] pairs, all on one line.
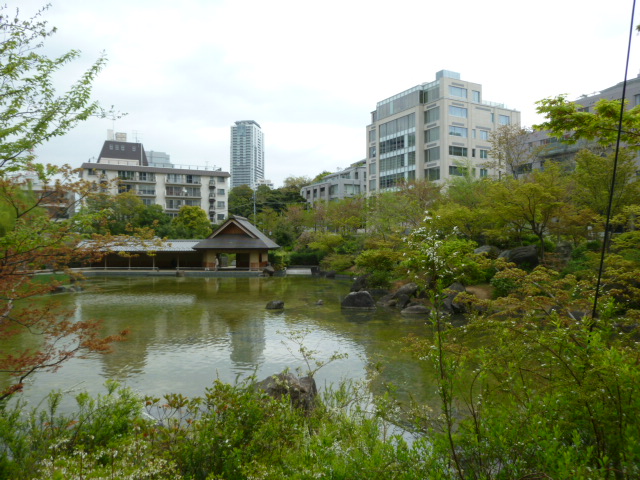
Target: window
{"points": [[457, 131], [483, 172], [636, 99], [221, 191], [457, 111], [372, 135], [220, 216], [193, 178], [133, 148], [372, 185], [146, 177], [484, 153], [372, 168], [411, 158], [146, 190], [220, 179], [110, 146], [457, 91], [432, 154], [484, 134], [504, 120], [432, 115], [432, 174], [372, 152], [476, 96], [220, 204], [457, 171], [392, 163], [458, 151], [124, 175], [148, 201], [432, 135]]}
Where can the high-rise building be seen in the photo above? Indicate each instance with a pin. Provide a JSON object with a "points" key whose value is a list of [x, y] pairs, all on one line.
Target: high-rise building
{"points": [[432, 131], [247, 154]]}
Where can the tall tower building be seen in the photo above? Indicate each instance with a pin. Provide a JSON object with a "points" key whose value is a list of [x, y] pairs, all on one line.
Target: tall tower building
{"points": [[247, 154], [433, 131]]}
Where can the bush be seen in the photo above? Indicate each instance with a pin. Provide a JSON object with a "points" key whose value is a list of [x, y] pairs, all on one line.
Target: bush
{"points": [[337, 262], [306, 257]]}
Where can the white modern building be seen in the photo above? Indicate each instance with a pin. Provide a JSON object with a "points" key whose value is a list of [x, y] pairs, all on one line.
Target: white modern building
{"points": [[432, 131], [349, 182], [123, 167], [247, 154]]}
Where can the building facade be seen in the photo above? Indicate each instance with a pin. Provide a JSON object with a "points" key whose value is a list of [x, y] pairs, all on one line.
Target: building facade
{"points": [[432, 131], [349, 182], [123, 167], [247, 154]]}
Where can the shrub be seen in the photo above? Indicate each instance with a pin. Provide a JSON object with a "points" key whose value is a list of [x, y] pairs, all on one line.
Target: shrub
{"points": [[337, 262]]}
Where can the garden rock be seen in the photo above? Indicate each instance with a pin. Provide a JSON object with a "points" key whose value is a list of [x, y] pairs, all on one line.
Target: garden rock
{"points": [[450, 303], [275, 305], [402, 301], [388, 300], [522, 256], [301, 391], [268, 271], [489, 250], [359, 300], [409, 289], [416, 310]]}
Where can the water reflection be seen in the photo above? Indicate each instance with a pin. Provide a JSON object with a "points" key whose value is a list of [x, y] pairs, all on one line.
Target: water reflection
{"points": [[186, 332]]}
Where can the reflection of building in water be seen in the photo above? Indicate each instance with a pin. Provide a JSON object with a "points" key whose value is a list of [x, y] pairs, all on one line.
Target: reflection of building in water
{"points": [[247, 342]]}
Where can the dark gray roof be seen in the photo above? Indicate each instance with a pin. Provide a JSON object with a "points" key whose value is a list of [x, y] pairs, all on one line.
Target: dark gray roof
{"points": [[123, 150], [135, 168], [253, 239]]}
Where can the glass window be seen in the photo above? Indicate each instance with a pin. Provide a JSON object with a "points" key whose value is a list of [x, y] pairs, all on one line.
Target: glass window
{"points": [[432, 174], [220, 204], [372, 135], [484, 134], [432, 115], [220, 216], [372, 152], [458, 151], [484, 153], [483, 172], [432, 134], [124, 175], [372, 185], [457, 131], [372, 168], [432, 154], [457, 111], [476, 96], [457, 91], [504, 120], [220, 179], [221, 191]]}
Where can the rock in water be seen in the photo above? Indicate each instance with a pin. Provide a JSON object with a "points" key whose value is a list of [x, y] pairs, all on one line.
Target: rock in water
{"points": [[359, 300]]}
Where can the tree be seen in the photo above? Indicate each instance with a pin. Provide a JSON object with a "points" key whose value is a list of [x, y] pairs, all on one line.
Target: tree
{"points": [[241, 201], [529, 203], [31, 113], [569, 121], [191, 222], [510, 150], [592, 181]]}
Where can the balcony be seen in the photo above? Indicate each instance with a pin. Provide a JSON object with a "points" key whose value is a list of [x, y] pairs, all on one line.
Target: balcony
{"points": [[146, 192]]}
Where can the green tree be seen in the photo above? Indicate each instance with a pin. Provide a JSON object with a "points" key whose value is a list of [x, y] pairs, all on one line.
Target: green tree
{"points": [[592, 181], [241, 201], [191, 222], [31, 110]]}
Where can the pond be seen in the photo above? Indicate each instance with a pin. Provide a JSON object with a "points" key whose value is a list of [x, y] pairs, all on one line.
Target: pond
{"points": [[186, 332]]}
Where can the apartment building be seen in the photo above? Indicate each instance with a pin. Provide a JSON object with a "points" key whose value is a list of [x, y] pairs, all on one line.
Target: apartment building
{"points": [[346, 183], [432, 131], [123, 167]]}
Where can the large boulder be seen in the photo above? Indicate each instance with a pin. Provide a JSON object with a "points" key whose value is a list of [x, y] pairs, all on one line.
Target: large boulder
{"points": [[301, 391], [488, 250], [522, 256], [409, 290], [275, 305], [360, 299], [402, 301], [268, 271]]}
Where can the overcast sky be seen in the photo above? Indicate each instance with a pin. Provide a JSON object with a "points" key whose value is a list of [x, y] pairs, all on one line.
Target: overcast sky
{"points": [[311, 73]]}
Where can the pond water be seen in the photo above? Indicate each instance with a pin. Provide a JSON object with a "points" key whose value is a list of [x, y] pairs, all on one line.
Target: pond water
{"points": [[186, 332]]}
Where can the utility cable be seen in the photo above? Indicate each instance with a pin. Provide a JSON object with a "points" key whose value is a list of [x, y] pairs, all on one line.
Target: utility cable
{"points": [[613, 176]]}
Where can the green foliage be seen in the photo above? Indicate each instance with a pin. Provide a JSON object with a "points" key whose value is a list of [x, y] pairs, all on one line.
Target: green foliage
{"points": [[306, 257], [31, 111], [191, 222], [337, 262], [379, 264]]}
